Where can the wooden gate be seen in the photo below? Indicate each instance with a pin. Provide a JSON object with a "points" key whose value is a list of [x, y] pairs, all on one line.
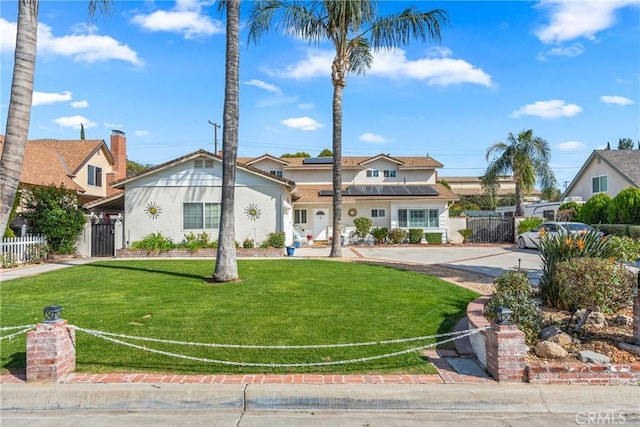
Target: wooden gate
{"points": [[491, 230], [103, 237]]}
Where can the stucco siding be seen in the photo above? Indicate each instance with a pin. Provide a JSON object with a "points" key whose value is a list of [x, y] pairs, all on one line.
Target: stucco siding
{"points": [[583, 187], [98, 160]]}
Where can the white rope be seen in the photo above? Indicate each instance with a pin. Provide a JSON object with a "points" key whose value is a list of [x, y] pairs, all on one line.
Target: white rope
{"points": [[270, 347], [8, 328], [15, 334], [281, 365]]}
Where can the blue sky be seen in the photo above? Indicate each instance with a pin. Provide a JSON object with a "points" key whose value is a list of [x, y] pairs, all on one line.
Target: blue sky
{"points": [[570, 70]]}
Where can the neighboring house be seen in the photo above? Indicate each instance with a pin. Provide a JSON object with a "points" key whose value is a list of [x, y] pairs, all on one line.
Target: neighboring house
{"points": [[87, 167], [183, 196], [605, 171], [472, 186], [395, 192]]}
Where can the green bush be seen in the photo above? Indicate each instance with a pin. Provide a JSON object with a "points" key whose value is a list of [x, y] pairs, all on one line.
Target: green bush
{"points": [[274, 240], [568, 211], [595, 284], [53, 212], [415, 235], [247, 243], [634, 231], [154, 242], [627, 248], [562, 247], [363, 226], [596, 209], [514, 291], [397, 235], [615, 229], [433, 238], [465, 233], [379, 234], [528, 224], [625, 207]]}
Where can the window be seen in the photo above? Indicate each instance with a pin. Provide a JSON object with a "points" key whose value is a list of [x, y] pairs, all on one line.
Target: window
{"points": [[599, 184], [199, 164], [389, 174], [276, 173], [198, 216], [418, 218], [378, 213], [299, 216], [372, 173], [548, 215], [95, 176]]}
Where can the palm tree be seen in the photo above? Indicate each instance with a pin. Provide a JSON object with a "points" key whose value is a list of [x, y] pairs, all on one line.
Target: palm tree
{"points": [[19, 112], [226, 268], [354, 28], [527, 158]]}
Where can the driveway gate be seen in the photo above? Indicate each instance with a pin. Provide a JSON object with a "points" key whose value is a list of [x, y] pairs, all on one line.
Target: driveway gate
{"points": [[103, 237], [491, 230]]}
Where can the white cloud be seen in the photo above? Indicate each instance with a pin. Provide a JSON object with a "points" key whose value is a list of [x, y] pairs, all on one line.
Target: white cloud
{"points": [[302, 123], [373, 138], [74, 122], [570, 51], [185, 18], [80, 104], [569, 20], [306, 106], [43, 98], [570, 146], [8, 32], [274, 101], [618, 100], [437, 68], [113, 125], [266, 86], [551, 109], [142, 133]]}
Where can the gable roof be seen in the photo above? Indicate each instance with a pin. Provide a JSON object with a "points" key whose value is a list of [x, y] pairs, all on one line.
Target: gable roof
{"points": [[202, 153], [624, 162], [359, 162], [251, 161]]}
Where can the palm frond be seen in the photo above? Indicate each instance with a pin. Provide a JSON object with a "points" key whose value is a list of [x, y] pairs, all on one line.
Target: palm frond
{"points": [[399, 29]]}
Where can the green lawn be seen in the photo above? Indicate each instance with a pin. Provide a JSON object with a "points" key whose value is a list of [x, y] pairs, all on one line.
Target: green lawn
{"points": [[278, 302]]}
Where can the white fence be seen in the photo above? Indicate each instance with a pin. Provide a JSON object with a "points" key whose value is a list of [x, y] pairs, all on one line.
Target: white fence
{"points": [[18, 250]]}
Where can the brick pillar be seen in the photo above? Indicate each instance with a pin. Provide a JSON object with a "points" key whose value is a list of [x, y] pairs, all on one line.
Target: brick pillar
{"points": [[506, 352], [51, 351]]}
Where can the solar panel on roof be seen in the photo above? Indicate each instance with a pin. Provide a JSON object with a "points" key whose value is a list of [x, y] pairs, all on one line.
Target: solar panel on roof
{"points": [[317, 161], [385, 190]]}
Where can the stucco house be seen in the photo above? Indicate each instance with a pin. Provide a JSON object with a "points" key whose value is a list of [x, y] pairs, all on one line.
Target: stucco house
{"points": [[183, 196], [605, 171], [395, 192]]}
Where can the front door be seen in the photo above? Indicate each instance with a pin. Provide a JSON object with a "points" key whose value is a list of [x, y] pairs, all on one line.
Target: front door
{"points": [[320, 224]]}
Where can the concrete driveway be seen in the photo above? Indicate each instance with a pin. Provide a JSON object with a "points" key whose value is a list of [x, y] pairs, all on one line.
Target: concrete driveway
{"points": [[492, 260]]}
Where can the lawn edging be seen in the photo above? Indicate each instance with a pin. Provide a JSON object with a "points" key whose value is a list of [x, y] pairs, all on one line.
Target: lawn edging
{"points": [[491, 352], [200, 253]]}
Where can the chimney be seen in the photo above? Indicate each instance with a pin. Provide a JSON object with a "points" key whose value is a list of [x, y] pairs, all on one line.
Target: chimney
{"points": [[119, 153]]}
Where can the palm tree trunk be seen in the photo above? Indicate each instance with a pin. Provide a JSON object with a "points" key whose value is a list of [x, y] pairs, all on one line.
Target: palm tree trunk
{"points": [[518, 196], [19, 113], [336, 248], [226, 267]]}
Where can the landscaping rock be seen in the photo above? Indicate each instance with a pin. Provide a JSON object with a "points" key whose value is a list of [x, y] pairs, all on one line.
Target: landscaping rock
{"points": [[595, 319], [550, 350], [562, 339], [589, 356], [629, 348], [621, 319], [550, 331]]}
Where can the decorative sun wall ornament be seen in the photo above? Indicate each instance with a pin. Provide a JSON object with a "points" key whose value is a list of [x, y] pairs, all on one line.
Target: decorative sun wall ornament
{"points": [[252, 211], [353, 212], [153, 210]]}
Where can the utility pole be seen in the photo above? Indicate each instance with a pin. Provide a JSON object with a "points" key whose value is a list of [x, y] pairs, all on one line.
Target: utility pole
{"points": [[215, 136]]}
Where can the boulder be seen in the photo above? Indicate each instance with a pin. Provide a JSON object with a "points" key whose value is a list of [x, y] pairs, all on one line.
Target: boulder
{"points": [[621, 319], [589, 356], [550, 350], [630, 348], [561, 339], [550, 331], [595, 319]]}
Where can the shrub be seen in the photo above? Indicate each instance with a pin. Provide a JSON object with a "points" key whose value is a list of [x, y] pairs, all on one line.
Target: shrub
{"points": [[568, 211], [528, 224], [247, 243], [274, 240], [415, 235], [465, 233], [379, 234], [615, 229], [433, 238], [596, 209], [594, 284], [513, 290], [634, 231], [154, 242], [627, 248], [363, 226], [625, 207], [397, 235], [561, 247]]}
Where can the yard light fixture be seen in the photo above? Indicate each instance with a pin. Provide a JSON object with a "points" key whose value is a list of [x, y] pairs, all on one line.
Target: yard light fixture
{"points": [[52, 314], [503, 316]]}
